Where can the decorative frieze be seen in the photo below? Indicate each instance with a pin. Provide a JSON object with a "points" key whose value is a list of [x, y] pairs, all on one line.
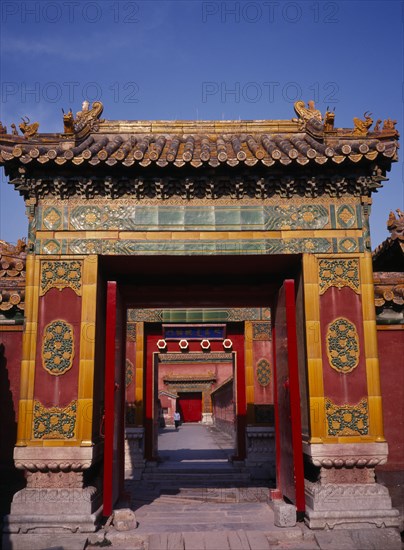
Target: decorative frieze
{"points": [[346, 216], [339, 273], [347, 475], [196, 315], [48, 480], [61, 274], [261, 331], [54, 422], [58, 347], [185, 188], [52, 218], [199, 247], [346, 419], [342, 344], [131, 332], [264, 372]]}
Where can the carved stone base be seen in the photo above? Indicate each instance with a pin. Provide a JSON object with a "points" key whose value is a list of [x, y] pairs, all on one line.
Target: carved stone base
{"points": [[260, 460], [55, 500], [134, 454], [207, 418], [58, 510], [348, 505]]}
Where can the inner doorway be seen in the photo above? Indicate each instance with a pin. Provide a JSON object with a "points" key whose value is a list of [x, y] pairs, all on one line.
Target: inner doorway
{"points": [[190, 406]]}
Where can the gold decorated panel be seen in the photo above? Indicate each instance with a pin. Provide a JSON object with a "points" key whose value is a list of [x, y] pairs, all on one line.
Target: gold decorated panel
{"points": [[61, 274], [342, 341], [54, 422], [339, 273], [58, 347], [261, 331], [347, 420]]}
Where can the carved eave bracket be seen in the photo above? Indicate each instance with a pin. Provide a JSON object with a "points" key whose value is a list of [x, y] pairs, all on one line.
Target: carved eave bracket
{"points": [[235, 188]]}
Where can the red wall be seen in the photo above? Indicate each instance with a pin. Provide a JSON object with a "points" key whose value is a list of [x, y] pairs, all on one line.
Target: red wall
{"points": [[391, 353], [53, 390], [10, 364], [223, 408]]}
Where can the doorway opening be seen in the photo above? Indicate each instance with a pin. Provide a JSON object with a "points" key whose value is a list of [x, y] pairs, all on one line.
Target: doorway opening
{"points": [[171, 290]]}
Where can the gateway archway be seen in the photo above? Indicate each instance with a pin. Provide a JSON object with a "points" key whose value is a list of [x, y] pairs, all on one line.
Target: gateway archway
{"points": [[139, 202], [248, 329]]}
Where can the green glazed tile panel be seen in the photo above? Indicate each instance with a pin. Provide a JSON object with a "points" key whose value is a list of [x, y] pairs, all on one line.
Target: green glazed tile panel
{"points": [[199, 315], [198, 247], [126, 217]]}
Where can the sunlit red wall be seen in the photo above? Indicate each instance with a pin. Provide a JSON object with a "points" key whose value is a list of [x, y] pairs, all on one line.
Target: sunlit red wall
{"points": [[391, 354], [10, 365]]}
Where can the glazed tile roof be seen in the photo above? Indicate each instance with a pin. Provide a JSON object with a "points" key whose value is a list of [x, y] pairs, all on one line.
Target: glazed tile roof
{"points": [[389, 288], [12, 279], [91, 141], [389, 255]]}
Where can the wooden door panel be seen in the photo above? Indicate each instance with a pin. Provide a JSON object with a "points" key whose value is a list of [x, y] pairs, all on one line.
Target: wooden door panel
{"points": [[114, 400], [288, 422], [190, 406]]}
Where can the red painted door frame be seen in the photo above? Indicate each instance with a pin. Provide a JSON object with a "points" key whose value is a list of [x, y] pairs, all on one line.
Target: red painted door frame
{"points": [[114, 400], [289, 451]]}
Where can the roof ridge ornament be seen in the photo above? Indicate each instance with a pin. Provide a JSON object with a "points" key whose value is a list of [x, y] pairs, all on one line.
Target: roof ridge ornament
{"points": [[85, 119], [396, 225], [307, 113], [29, 130], [362, 126]]}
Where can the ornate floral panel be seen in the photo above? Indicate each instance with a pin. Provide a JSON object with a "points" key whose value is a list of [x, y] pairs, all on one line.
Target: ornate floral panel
{"points": [[263, 372], [261, 331], [131, 332], [58, 347], [342, 344], [339, 273], [54, 422], [345, 420], [129, 372], [61, 274]]}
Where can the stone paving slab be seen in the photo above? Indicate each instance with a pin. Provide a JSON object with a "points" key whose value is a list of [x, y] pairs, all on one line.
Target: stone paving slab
{"points": [[247, 539], [45, 541], [359, 539]]}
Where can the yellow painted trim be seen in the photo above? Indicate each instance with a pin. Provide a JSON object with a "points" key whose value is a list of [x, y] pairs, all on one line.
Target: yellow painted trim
{"points": [[370, 348], [317, 419], [29, 343], [313, 346], [84, 421], [84, 428], [200, 235], [139, 374]]}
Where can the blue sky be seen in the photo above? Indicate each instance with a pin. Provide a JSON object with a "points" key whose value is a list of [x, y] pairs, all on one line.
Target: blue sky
{"points": [[201, 60]]}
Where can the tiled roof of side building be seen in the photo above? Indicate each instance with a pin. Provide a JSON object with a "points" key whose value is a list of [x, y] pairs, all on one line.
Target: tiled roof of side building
{"points": [[12, 281]]}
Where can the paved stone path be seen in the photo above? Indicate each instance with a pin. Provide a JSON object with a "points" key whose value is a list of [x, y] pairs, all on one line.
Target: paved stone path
{"points": [[193, 444]]}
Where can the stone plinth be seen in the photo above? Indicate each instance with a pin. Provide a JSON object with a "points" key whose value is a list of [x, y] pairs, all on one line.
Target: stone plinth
{"points": [[207, 418], [134, 453], [260, 460], [55, 499], [54, 510], [346, 494]]}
